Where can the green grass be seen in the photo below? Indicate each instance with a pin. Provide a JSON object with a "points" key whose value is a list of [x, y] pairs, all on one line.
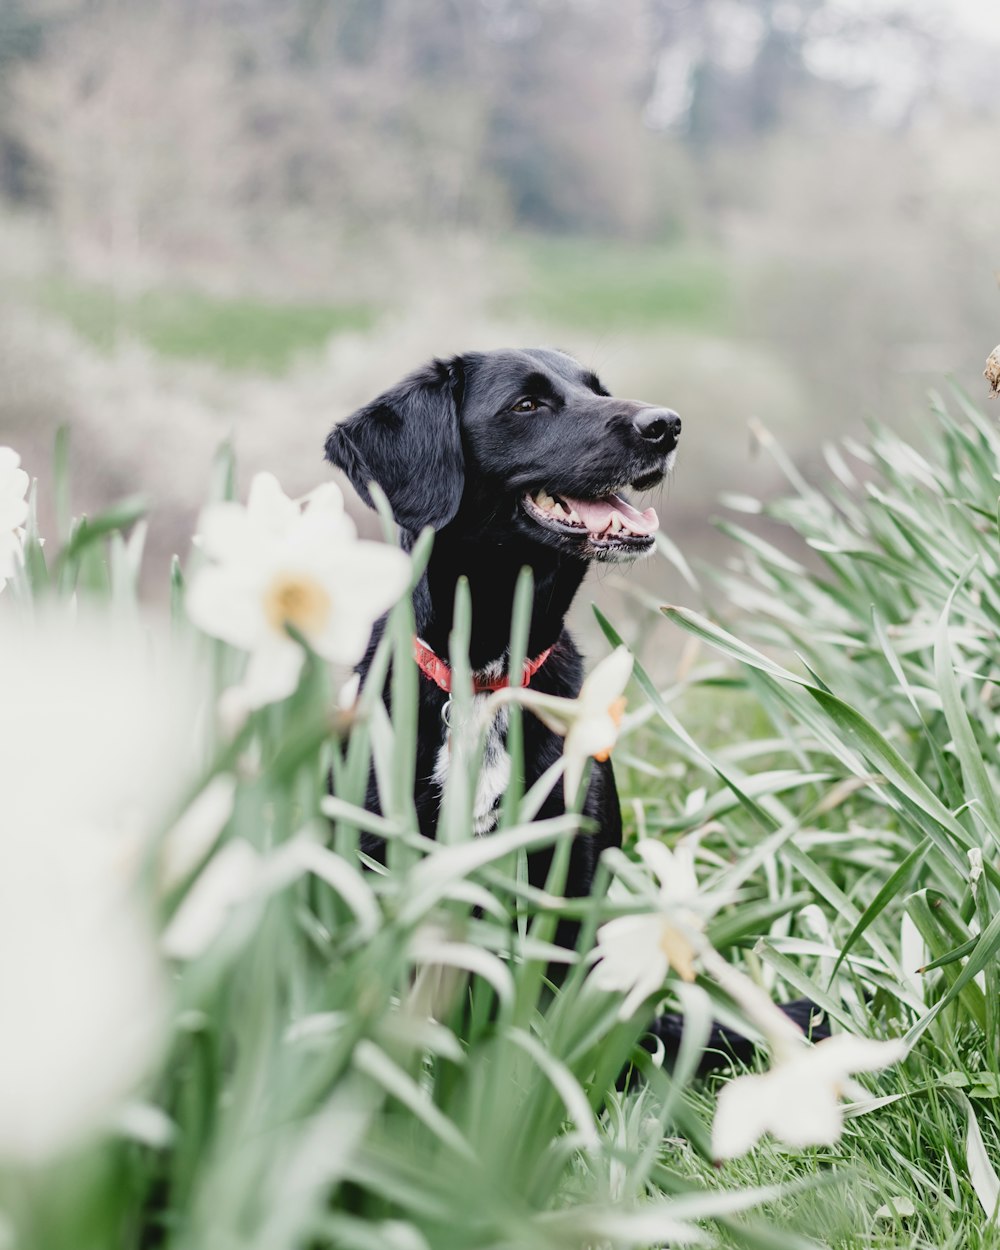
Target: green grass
{"points": [[595, 284], [319, 1082], [576, 284], [835, 755], [875, 673], [910, 1152], [236, 334]]}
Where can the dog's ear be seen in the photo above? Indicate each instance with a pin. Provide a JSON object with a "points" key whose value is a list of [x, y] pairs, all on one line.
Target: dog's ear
{"points": [[409, 443]]}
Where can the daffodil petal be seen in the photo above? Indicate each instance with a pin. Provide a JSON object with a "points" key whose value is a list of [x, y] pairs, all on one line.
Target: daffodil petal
{"points": [[364, 582], [607, 680], [591, 735], [658, 858], [642, 989], [799, 1100], [225, 601], [273, 672], [268, 505], [14, 508], [844, 1053], [555, 713], [626, 945], [683, 883], [805, 1110], [573, 774], [742, 1115], [633, 959], [10, 554], [14, 483], [225, 533], [324, 512], [322, 536]]}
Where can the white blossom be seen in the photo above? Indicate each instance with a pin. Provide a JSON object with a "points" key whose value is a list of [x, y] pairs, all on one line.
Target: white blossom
{"points": [[637, 952], [89, 730], [275, 563], [13, 512], [82, 991], [799, 1100], [97, 717], [591, 722]]}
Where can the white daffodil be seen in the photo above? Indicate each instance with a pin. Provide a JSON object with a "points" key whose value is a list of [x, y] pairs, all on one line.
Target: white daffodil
{"points": [[600, 707], [90, 708], [275, 564], [590, 723], [13, 512], [83, 992], [798, 1100], [87, 719], [637, 952]]}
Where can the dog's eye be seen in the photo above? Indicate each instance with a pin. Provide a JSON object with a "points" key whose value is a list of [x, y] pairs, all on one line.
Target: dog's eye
{"points": [[526, 405]]}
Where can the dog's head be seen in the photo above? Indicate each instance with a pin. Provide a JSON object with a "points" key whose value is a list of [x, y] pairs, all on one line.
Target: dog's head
{"points": [[523, 441]]}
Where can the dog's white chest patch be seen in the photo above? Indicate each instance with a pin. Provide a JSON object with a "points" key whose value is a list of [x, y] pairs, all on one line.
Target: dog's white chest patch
{"points": [[494, 776]]}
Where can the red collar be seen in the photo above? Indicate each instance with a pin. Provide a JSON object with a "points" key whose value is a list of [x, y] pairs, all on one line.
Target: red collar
{"points": [[438, 671]]}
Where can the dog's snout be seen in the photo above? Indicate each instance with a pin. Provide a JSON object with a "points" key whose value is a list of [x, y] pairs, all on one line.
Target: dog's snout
{"points": [[659, 426]]}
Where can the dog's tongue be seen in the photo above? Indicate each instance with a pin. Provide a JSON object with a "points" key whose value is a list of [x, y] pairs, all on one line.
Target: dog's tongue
{"points": [[596, 514]]}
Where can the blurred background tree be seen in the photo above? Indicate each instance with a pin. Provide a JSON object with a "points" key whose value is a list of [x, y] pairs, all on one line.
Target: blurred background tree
{"points": [[250, 215]]}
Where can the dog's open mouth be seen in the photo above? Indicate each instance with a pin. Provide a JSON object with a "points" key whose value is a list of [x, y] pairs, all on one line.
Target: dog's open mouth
{"points": [[608, 523]]}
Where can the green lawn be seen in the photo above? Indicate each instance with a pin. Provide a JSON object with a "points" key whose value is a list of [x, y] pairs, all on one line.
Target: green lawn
{"points": [[595, 284], [850, 718], [575, 284], [348, 1059], [243, 333]]}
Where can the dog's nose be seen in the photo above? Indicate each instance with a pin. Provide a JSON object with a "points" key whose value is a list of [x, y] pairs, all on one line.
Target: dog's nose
{"points": [[657, 425]]}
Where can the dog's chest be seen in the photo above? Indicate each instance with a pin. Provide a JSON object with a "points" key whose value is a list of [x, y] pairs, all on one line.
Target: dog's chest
{"points": [[494, 774]]}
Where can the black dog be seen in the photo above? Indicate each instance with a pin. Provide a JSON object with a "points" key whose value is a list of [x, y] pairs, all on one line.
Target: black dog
{"points": [[514, 458]]}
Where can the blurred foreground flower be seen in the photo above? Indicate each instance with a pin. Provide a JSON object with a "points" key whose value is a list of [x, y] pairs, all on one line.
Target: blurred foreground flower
{"points": [[591, 722], [83, 993], [91, 733], [13, 512], [798, 1100], [637, 952], [275, 564], [96, 723]]}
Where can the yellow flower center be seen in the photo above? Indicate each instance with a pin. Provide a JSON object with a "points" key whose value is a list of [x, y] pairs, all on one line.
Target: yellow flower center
{"points": [[616, 711], [679, 952], [299, 600]]}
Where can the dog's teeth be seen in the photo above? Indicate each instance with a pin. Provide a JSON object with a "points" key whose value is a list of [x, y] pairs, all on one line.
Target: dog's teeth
{"points": [[558, 509], [544, 500], [616, 522], [573, 515]]}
